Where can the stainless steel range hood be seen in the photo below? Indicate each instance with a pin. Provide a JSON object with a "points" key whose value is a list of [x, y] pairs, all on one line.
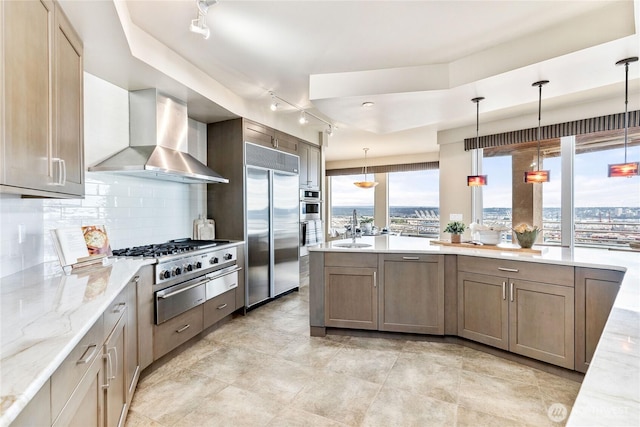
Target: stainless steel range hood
{"points": [[158, 143]]}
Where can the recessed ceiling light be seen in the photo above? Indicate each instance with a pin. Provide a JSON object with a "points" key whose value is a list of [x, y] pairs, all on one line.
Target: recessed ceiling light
{"points": [[368, 104]]}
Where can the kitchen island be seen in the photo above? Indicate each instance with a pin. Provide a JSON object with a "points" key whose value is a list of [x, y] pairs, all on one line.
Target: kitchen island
{"points": [[45, 314], [610, 391]]}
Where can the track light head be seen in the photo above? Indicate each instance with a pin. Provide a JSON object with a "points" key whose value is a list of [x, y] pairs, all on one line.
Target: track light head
{"points": [[329, 130], [303, 118], [203, 5], [199, 27]]}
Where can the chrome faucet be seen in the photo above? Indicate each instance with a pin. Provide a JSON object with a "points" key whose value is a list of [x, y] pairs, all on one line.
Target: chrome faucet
{"points": [[354, 224]]}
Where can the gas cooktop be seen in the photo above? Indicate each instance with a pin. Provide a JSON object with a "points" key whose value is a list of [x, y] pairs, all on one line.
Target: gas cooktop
{"points": [[171, 247]]}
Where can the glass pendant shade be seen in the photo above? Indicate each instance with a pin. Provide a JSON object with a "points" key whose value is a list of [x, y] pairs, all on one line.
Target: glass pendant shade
{"points": [[626, 169], [623, 170], [366, 183], [477, 180], [532, 177]]}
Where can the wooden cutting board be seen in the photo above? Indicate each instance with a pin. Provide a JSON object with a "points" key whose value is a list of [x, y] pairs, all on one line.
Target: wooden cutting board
{"points": [[503, 247]]}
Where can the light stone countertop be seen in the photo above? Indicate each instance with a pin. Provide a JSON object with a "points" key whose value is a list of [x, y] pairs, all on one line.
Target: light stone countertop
{"points": [[43, 315], [610, 391]]}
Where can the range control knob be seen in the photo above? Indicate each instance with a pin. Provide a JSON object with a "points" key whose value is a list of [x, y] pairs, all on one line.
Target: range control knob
{"points": [[213, 260], [189, 267], [177, 271], [227, 257], [198, 264], [165, 274]]}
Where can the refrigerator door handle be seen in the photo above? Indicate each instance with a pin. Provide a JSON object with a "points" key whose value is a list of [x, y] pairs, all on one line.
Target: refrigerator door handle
{"points": [[304, 233]]}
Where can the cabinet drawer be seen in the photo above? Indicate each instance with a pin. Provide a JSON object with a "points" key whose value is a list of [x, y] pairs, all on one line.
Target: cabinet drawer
{"points": [[219, 307], [65, 379], [114, 312], [547, 273], [176, 331], [346, 259]]}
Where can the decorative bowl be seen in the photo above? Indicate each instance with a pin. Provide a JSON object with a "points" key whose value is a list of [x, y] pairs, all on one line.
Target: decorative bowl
{"points": [[526, 239]]}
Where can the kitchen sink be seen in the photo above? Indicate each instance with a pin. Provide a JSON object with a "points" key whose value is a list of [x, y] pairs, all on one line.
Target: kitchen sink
{"points": [[352, 245]]}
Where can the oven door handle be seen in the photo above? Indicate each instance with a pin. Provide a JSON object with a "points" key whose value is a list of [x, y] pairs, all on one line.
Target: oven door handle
{"points": [[179, 291], [223, 272]]}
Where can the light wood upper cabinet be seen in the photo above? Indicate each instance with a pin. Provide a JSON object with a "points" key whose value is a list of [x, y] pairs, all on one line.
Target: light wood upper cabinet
{"points": [[531, 318], [41, 72], [411, 293], [309, 166]]}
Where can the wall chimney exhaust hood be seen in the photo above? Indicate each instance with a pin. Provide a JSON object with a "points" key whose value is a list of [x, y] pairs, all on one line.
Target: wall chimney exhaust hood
{"points": [[158, 144]]}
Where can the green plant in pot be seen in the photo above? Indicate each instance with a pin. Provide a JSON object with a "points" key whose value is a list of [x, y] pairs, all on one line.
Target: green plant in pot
{"points": [[366, 223], [456, 228]]}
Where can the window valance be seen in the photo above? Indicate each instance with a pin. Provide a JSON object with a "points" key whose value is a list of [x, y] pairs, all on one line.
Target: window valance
{"points": [[408, 167]]}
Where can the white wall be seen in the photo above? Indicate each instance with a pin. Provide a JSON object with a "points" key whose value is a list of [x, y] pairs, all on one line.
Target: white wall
{"points": [[455, 196], [134, 210]]}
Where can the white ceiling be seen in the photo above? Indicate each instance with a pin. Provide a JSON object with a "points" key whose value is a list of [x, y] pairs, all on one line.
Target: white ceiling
{"points": [[421, 62]]}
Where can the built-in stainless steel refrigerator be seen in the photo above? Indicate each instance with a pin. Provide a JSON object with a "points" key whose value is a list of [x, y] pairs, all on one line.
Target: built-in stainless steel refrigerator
{"points": [[272, 218]]}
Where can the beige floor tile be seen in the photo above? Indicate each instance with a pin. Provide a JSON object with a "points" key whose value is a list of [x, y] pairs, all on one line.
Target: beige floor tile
{"points": [[369, 365], [419, 374], [504, 398], [292, 417], [338, 397], [231, 407], [310, 351], [393, 407], [228, 364], [444, 354], [135, 419], [555, 389], [487, 364], [382, 344], [470, 418]]}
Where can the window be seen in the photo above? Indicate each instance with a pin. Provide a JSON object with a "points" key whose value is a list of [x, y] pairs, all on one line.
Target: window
{"points": [[414, 203], [345, 197], [497, 194]]}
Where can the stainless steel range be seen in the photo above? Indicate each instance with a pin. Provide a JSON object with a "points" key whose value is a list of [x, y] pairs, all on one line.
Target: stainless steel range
{"points": [[188, 272]]}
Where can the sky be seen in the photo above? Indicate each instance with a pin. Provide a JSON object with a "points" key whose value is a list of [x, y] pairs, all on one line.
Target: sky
{"points": [[592, 186]]}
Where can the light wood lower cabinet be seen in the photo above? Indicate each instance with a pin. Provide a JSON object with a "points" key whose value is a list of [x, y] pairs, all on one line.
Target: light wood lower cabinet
{"points": [[596, 291], [411, 293], [351, 297], [38, 411], [115, 406], [176, 331], [531, 318], [219, 307]]}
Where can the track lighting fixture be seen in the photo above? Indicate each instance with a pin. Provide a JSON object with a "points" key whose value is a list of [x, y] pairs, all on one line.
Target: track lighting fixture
{"points": [[304, 114], [477, 180], [538, 175], [199, 25], [626, 169]]}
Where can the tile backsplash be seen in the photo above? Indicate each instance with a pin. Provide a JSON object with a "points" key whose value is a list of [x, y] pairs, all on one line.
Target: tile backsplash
{"points": [[135, 211]]}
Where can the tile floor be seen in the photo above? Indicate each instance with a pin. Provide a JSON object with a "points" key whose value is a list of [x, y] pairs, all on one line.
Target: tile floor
{"points": [[265, 370]]}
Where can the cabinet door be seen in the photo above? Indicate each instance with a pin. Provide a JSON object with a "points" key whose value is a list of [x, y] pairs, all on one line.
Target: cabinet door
{"points": [[351, 297], [68, 136], [541, 322], [115, 406], [85, 406], [596, 291], [145, 314], [303, 153], [131, 362], [483, 310], [38, 410], [176, 331], [411, 294], [27, 99], [286, 142], [259, 134], [313, 168]]}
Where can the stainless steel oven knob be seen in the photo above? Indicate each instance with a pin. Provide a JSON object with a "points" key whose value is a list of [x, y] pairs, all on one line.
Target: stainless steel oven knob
{"points": [[177, 271], [213, 260], [165, 274], [227, 257], [189, 267], [198, 264]]}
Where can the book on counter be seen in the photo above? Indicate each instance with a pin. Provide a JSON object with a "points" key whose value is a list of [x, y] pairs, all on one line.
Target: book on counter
{"points": [[81, 246]]}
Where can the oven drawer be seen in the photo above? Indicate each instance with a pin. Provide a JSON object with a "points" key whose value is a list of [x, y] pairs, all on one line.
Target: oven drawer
{"points": [[176, 331], [219, 285], [177, 299], [219, 307]]}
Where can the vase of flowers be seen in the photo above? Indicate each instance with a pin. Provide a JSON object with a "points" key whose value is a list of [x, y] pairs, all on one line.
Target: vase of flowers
{"points": [[456, 228], [526, 234]]}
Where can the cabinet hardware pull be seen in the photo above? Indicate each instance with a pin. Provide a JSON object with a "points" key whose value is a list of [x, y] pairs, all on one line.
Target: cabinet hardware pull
{"points": [[63, 177], [512, 270], [119, 308], [220, 307], [87, 357], [375, 281], [511, 290], [504, 290], [411, 258], [136, 279], [115, 356], [184, 328]]}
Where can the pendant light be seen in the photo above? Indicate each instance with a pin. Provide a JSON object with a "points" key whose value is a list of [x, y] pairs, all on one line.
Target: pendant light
{"points": [[626, 169], [477, 180], [365, 183], [538, 175]]}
